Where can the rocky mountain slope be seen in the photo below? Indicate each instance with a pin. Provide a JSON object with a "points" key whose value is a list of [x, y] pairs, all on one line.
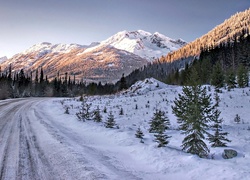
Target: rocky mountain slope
{"points": [[105, 61], [105, 64], [228, 31]]}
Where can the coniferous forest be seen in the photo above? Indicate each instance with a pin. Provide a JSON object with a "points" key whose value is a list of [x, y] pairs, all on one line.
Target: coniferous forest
{"points": [[224, 62], [21, 84]]}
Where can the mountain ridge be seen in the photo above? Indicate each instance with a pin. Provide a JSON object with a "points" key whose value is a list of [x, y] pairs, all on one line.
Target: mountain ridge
{"points": [[226, 32], [104, 61], [2, 59]]}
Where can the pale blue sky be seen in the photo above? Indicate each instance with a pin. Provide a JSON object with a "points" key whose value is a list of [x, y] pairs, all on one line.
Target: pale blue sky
{"points": [[27, 22]]}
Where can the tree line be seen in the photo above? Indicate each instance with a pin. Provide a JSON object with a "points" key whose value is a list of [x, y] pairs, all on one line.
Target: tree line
{"points": [[21, 84]]}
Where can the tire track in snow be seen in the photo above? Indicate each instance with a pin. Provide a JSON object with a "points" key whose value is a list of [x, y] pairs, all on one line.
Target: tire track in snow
{"points": [[81, 166], [32, 162], [9, 142], [5, 155], [74, 143], [20, 156]]}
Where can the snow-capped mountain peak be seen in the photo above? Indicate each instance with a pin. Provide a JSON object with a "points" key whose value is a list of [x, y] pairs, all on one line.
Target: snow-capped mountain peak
{"points": [[2, 59], [142, 43], [46, 47]]}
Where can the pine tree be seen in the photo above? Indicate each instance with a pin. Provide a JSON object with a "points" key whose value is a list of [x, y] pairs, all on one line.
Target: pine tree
{"points": [[217, 78], [110, 123], [84, 113], [159, 122], [105, 110], [230, 79], [162, 139], [86, 107], [66, 110], [36, 84], [242, 76], [36, 77], [193, 110], [121, 112], [205, 70], [218, 139], [41, 76], [42, 84], [237, 119], [80, 114], [97, 115], [139, 134], [123, 83]]}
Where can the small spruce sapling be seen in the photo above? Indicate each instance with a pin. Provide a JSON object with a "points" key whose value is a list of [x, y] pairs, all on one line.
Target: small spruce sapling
{"points": [[159, 124], [218, 139], [110, 123], [162, 139], [159, 119], [81, 115], [121, 112], [84, 113], [66, 110], [105, 110], [237, 119], [97, 115], [139, 134]]}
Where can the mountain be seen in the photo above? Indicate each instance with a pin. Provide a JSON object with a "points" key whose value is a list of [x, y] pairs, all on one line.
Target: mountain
{"points": [[104, 61], [230, 30], [106, 64], [142, 43], [46, 48], [2, 59]]}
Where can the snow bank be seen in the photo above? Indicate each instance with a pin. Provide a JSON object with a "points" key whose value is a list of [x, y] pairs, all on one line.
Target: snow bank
{"points": [[147, 85], [146, 160]]}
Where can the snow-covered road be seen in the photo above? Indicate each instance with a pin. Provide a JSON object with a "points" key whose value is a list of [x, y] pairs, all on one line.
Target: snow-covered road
{"points": [[35, 145]]}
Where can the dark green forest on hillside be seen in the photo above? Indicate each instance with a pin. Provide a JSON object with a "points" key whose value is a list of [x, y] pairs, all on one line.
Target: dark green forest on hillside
{"points": [[225, 61]]}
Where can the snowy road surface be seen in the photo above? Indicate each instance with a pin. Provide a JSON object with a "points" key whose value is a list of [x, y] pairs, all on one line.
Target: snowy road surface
{"points": [[35, 145]]}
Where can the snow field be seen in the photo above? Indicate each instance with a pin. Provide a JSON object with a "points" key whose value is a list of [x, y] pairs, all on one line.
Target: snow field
{"points": [[145, 159]]}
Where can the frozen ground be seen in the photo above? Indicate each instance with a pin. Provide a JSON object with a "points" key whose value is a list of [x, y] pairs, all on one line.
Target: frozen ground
{"points": [[39, 141]]}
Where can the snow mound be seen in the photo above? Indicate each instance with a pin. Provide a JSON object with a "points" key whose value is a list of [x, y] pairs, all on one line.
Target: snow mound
{"points": [[145, 86]]}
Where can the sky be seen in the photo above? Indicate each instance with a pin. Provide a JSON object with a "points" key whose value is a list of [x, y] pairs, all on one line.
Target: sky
{"points": [[28, 22]]}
